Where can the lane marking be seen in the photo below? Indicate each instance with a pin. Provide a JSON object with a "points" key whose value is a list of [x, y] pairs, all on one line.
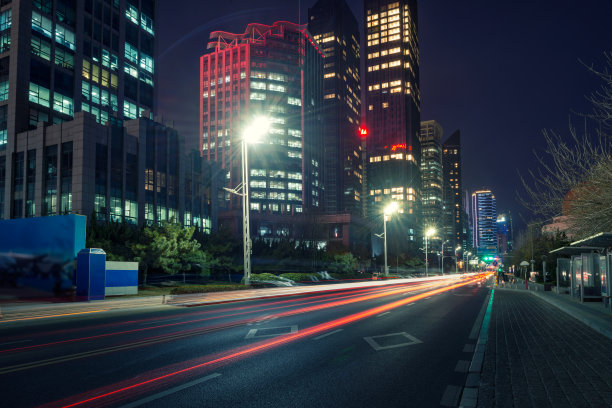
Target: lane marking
{"points": [[376, 346], [382, 314], [14, 342], [327, 334], [252, 334], [451, 395], [428, 297], [476, 326], [469, 348], [409, 304], [170, 391]]}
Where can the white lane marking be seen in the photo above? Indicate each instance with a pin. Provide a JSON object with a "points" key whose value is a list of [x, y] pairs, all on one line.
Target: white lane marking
{"points": [[170, 391], [327, 334], [252, 334], [462, 366], [451, 395], [376, 346], [410, 304], [428, 297], [14, 342], [382, 314], [469, 348]]}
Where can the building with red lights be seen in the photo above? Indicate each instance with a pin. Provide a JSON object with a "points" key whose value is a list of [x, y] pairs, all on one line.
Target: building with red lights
{"points": [[277, 71], [392, 104], [335, 29]]}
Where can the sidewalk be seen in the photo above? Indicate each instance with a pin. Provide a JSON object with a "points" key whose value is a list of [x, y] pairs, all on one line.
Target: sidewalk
{"points": [[542, 352]]}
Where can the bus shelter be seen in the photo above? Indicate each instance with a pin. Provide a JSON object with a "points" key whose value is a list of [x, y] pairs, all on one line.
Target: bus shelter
{"points": [[585, 272]]}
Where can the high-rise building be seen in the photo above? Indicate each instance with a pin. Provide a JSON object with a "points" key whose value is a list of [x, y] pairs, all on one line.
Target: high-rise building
{"points": [[431, 176], [454, 210], [275, 71], [335, 29], [392, 102], [65, 56], [504, 232], [484, 222]]}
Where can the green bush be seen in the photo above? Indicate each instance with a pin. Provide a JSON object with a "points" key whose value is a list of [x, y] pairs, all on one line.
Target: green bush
{"points": [[300, 277], [264, 277], [186, 289]]}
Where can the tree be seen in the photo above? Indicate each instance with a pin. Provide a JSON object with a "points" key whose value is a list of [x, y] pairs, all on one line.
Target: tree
{"points": [[575, 174]]}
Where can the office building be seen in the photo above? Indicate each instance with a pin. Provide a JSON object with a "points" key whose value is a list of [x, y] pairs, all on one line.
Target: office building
{"points": [[431, 177], [62, 57], [335, 29], [454, 216], [392, 103], [484, 222]]}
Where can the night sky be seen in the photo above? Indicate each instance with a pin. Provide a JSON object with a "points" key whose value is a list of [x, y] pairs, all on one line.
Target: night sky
{"points": [[500, 71]]}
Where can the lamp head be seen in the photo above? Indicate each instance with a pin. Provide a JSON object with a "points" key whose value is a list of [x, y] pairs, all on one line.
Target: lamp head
{"points": [[430, 232], [391, 208], [258, 127]]}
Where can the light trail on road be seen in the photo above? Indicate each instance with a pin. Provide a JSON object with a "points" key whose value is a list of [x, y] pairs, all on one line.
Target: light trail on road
{"points": [[124, 390]]}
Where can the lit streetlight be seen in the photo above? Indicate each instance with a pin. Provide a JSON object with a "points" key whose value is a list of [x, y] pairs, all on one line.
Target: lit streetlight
{"points": [[428, 233], [466, 255], [457, 263], [251, 134], [389, 209]]}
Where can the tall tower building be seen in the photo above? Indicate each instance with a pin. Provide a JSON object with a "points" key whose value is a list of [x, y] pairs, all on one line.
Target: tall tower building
{"points": [[335, 29], [393, 115], [454, 210], [431, 176], [276, 71], [484, 213], [65, 56]]}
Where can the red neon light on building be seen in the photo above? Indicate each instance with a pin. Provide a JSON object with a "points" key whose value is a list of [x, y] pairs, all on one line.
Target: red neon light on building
{"points": [[363, 131], [399, 146]]}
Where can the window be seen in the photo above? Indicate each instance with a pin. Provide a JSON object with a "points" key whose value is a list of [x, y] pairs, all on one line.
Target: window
{"points": [[129, 110], [63, 104], [258, 96], [131, 53], [5, 20], [146, 62], [40, 47], [64, 59], [65, 37], [39, 95], [294, 101], [258, 85], [131, 13], [42, 24], [277, 88], [146, 23], [131, 70]]}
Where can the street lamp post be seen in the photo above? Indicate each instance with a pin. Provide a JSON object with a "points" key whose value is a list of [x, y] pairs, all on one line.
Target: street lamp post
{"points": [[389, 209], [429, 232], [457, 263], [466, 256], [251, 134], [443, 256]]}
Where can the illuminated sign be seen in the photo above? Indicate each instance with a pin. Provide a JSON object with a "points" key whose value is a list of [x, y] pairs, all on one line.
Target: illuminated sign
{"points": [[398, 146], [363, 131]]}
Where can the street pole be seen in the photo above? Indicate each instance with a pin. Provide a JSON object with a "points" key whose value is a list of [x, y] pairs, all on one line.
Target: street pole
{"points": [[443, 256], [385, 237], [246, 233], [426, 260]]}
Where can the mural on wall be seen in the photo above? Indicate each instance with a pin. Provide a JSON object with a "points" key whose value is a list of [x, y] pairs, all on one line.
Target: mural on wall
{"points": [[40, 252]]}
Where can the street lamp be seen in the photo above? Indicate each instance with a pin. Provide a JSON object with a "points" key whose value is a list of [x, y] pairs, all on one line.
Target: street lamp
{"points": [[389, 209], [457, 263], [428, 233], [443, 256], [251, 134], [466, 255]]}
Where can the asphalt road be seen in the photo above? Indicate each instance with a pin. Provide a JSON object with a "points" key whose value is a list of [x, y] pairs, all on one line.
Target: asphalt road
{"points": [[391, 346]]}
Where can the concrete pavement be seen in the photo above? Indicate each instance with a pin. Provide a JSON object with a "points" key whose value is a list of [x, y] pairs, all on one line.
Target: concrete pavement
{"points": [[545, 350]]}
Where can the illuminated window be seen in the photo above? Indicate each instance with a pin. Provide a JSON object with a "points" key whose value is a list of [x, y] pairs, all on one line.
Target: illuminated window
{"points": [[146, 62], [131, 13], [146, 23], [131, 53], [258, 96], [130, 110], [395, 63], [65, 37], [277, 77], [385, 105], [277, 88], [329, 75], [42, 24], [40, 47], [63, 104], [130, 70], [330, 96], [258, 85], [39, 95]]}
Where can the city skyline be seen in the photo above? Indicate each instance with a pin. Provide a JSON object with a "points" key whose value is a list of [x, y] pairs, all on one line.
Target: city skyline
{"points": [[472, 82]]}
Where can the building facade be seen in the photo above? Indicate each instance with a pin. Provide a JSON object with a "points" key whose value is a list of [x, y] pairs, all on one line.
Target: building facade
{"points": [[132, 172], [454, 215], [335, 29], [64, 56], [431, 177], [504, 232], [276, 71], [484, 222], [392, 107]]}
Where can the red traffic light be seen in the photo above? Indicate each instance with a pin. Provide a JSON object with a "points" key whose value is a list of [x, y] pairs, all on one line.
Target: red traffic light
{"points": [[363, 131]]}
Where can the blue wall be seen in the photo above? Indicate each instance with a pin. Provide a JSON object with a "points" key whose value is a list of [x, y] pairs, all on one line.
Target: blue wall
{"points": [[40, 253]]}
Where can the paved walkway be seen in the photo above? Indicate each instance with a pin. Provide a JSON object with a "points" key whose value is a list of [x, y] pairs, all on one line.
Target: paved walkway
{"points": [[539, 356]]}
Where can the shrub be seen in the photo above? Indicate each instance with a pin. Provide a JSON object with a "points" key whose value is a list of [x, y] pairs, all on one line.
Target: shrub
{"points": [[187, 289], [300, 277]]}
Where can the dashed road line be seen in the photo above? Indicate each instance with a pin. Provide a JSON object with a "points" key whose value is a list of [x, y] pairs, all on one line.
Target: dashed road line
{"points": [[451, 395], [382, 314], [162, 394], [327, 334]]}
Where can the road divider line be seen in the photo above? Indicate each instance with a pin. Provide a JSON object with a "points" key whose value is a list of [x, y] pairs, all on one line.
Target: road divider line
{"points": [[170, 391], [382, 314], [327, 334]]}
